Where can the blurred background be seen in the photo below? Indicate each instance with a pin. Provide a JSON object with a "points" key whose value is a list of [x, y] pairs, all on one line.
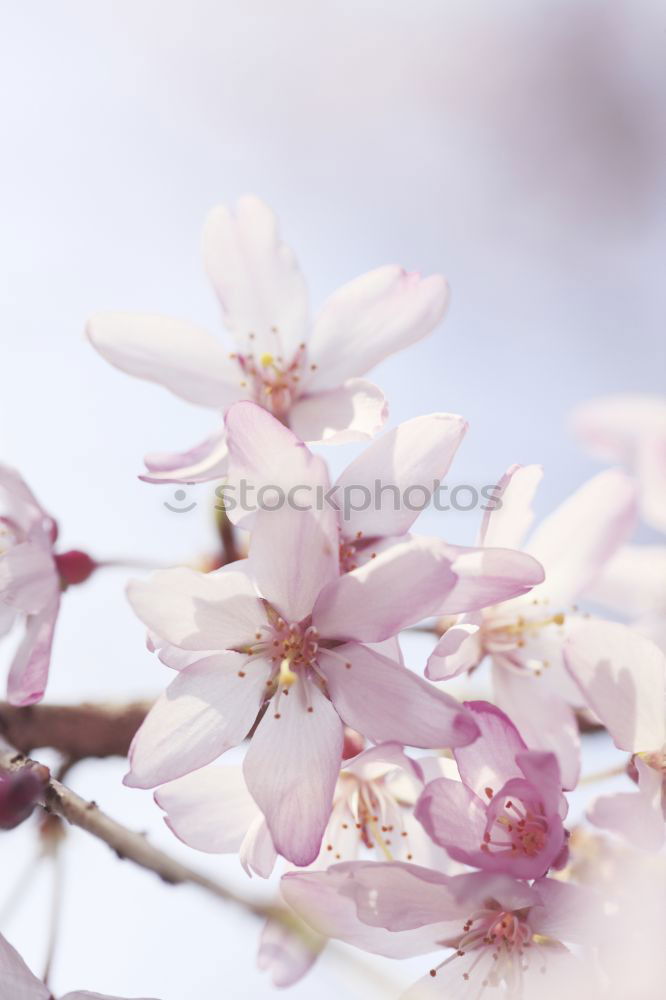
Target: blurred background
{"points": [[518, 148]]}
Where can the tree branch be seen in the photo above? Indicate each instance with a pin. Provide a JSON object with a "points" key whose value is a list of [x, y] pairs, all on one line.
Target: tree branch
{"points": [[76, 731], [62, 801]]}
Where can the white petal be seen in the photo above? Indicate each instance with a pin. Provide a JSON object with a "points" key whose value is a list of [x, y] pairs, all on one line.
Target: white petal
{"points": [[188, 361], [354, 411], [372, 317], [257, 279]]}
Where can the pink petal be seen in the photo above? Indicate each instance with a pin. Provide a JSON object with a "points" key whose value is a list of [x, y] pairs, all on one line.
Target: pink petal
{"points": [[636, 817], [257, 279], [354, 411], [188, 361], [621, 675], [195, 610], [210, 810], [632, 583], [207, 709], [257, 852], [322, 899], [382, 759], [28, 577], [17, 981], [458, 650], [567, 912], [487, 576], [454, 817], [611, 426], [544, 719], [288, 952], [200, 464], [508, 523], [578, 538], [20, 506], [292, 766], [490, 761], [263, 453], [387, 702], [542, 770], [401, 586], [29, 671], [372, 317], [412, 457], [294, 554]]}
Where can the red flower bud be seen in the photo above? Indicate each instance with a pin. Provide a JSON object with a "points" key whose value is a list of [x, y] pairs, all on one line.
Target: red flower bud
{"points": [[74, 566]]}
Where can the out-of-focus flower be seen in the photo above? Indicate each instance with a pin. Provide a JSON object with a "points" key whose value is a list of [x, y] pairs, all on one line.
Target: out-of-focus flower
{"points": [[32, 576], [295, 636], [306, 374], [631, 887], [379, 495], [505, 814], [18, 983], [524, 636], [633, 585], [623, 678], [630, 429], [499, 932]]}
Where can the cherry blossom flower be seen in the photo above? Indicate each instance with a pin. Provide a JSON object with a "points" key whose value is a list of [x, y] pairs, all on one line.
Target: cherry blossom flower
{"points": [[294, 638], [630, 429], [498, 932], [307, 375], [505, 815], [32, 577], [623, 678], [524, 637], [372, 810], [373, 494], [18, 983], [212, 810]]}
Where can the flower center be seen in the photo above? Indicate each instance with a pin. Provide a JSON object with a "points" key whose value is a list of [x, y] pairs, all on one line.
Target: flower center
{"points": [[273, 381], [495, 947], [517, 827]]}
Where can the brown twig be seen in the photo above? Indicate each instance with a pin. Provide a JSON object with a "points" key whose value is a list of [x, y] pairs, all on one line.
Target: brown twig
{"points": [[76, 731], [62, 801]]}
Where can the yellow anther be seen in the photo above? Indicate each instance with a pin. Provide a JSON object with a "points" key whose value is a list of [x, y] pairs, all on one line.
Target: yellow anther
{"points": [[287, 675], [266, 360]]}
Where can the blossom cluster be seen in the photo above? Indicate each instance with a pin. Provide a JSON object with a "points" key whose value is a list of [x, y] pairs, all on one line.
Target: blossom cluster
{"points": [[404, 821]]}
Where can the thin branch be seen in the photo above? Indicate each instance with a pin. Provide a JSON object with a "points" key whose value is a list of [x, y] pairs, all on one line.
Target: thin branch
{"points": [[62, 801], [76, 731], [126, 844]]}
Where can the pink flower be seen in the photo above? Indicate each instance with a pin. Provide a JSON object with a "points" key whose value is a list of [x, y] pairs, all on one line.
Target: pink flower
{"points": [[622, 676], [379, 495], [18, 983], [630, 429], [294, 639], [32, 577], [505, 815], [307, 374], [29, 585], [213, 811], [498, 932], [524, 637]]}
